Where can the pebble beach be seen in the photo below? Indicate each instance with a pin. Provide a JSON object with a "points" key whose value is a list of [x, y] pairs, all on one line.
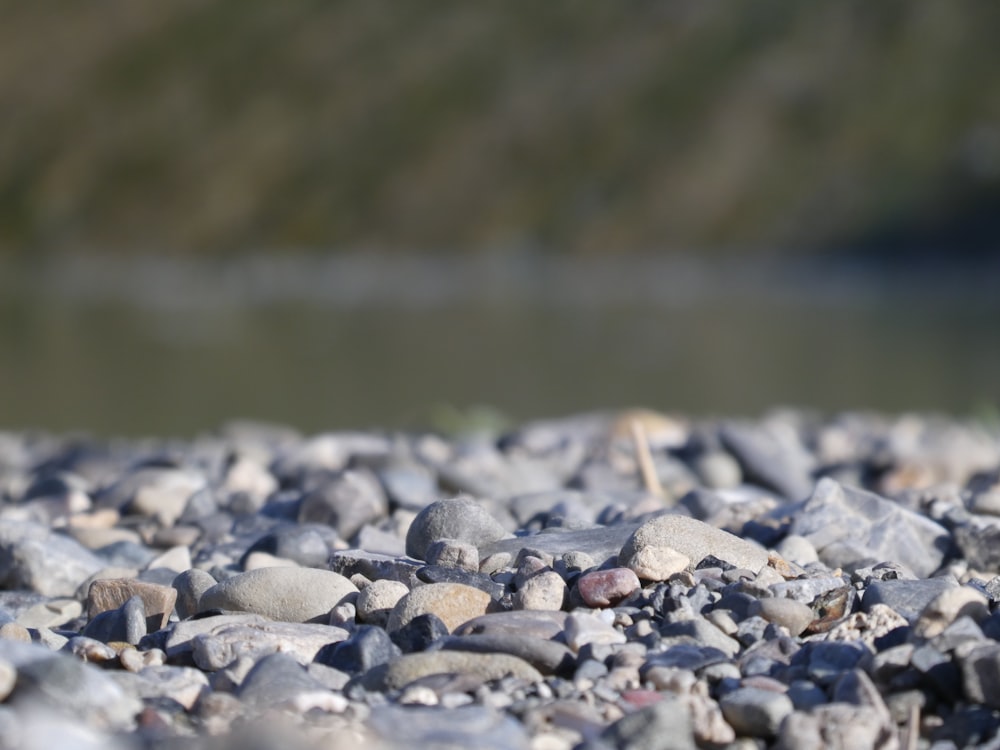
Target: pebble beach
{"points": [[626, 579]]}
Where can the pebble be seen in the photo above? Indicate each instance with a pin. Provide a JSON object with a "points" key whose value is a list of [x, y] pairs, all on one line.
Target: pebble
{"points": [[453, 603], [460, 518], [561, 607], [289, 594]]}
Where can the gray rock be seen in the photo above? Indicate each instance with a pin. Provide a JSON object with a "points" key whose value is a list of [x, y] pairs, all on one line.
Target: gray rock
{"points": [[696, 540], [805, 590], [665, 725], [478, 727], [307, 544], [906, 598], [846, 524], [545, 590], [835, 726], [276, 680], [459, 518], [536, 624], [981, 674], [979, 543], [771, 455], [288, 594], [375, 566], [159, 493], [409, 484], [69, 687], [367, 647], [451, 553], [127, 624], [185, 685], [190, 585], [110, 593], [34, 558], [453, 603], [699, 631], [599, 543], [225, 643], [377, 599], [346, 502], [792, 615], [754, 711]]}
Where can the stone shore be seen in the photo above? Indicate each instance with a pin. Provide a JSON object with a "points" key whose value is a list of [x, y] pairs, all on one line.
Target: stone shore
{"points": [[610, 580]]}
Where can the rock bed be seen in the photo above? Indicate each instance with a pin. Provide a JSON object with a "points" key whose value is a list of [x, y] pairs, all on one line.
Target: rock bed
{"points": [[610, 580]]}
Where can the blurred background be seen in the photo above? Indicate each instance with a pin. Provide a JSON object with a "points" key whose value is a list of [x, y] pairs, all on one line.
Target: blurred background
{"points": [[350, 214]]}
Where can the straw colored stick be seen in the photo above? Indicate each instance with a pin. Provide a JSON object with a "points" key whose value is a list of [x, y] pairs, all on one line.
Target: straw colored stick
{"points": [[649, 477]]}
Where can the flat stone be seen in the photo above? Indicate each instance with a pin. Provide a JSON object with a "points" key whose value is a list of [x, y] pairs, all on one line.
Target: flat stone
{"points": [[652, 563], [275, 681], [846, 524], [606, 588], [906, 598], [981, 674], [110, 593], [583, 628], [484, 666], [699, 631], [600, 543], [374, 565], [347, 501], [548, 657], [755, 712], [542, 624], [287, 594], [696, 541], [185, 685], [50, 614], [772, 455], [461, 518], [227, 642], [454, 603], [441, 574]]}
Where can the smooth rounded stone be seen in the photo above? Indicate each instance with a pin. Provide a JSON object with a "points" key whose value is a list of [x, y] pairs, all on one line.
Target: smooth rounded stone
{"points": [[544, 591], [275, 680], [185, 685], [287, 594], [857, 524], [366, 647], [906, 598], [374, 565], [110, 593], [583, 628], [225, 643], [805, 590], [377, 599], [576, 560], [177, 559], [484, 666], [34, 558], [127, 624], [652, 563], [451, 553], [665, 725], [8, 678], [981, 674], [50, 614], [755, 712], [699, 631], [948, 606], [478, 727], [96, 538], [346, 502], [67, 686], [419, 634], [306, 545], [548, 657], [190, 585], [718, 470], [695, 540], [792, 615], [126, 554], [797, 549], [249, 477], [543, 624], [408, 484], [439, 574], [836, 726], [606, 588], [453, 603], [459, 518], [12, 631], [157, 493], [375, 539]]}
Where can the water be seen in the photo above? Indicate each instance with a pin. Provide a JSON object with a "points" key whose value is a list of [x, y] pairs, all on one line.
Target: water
{"points": [[153, 347]]}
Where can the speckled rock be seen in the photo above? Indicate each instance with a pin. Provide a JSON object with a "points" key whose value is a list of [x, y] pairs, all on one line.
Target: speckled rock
{"points": [[288, 594], [696, 541]]}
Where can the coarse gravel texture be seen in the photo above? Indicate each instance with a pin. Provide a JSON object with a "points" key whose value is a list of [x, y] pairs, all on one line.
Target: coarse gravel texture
{"points": [[837, 585]]}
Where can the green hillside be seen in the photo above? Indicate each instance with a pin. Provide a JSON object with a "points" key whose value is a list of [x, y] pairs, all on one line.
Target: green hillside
{"points": [[218, 126]]}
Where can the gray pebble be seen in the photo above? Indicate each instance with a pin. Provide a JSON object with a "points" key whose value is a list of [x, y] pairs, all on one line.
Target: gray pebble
{"points": [[459, 518]]}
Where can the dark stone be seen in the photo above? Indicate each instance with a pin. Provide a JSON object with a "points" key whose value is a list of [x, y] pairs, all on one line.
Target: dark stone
{"points": [[665, 725], [548, 657], [368, 646], [274, 679], [711, 561], [686, 656], [308, 545], [419, 633], [443, 574], [905, 597]]}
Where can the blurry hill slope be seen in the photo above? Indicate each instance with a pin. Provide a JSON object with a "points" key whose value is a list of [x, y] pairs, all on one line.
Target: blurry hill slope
{"points": [[214, 126]]}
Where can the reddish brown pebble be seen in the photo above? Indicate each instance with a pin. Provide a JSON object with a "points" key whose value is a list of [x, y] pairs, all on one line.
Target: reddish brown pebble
{"points": [[641, 698], [605, 588]]}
